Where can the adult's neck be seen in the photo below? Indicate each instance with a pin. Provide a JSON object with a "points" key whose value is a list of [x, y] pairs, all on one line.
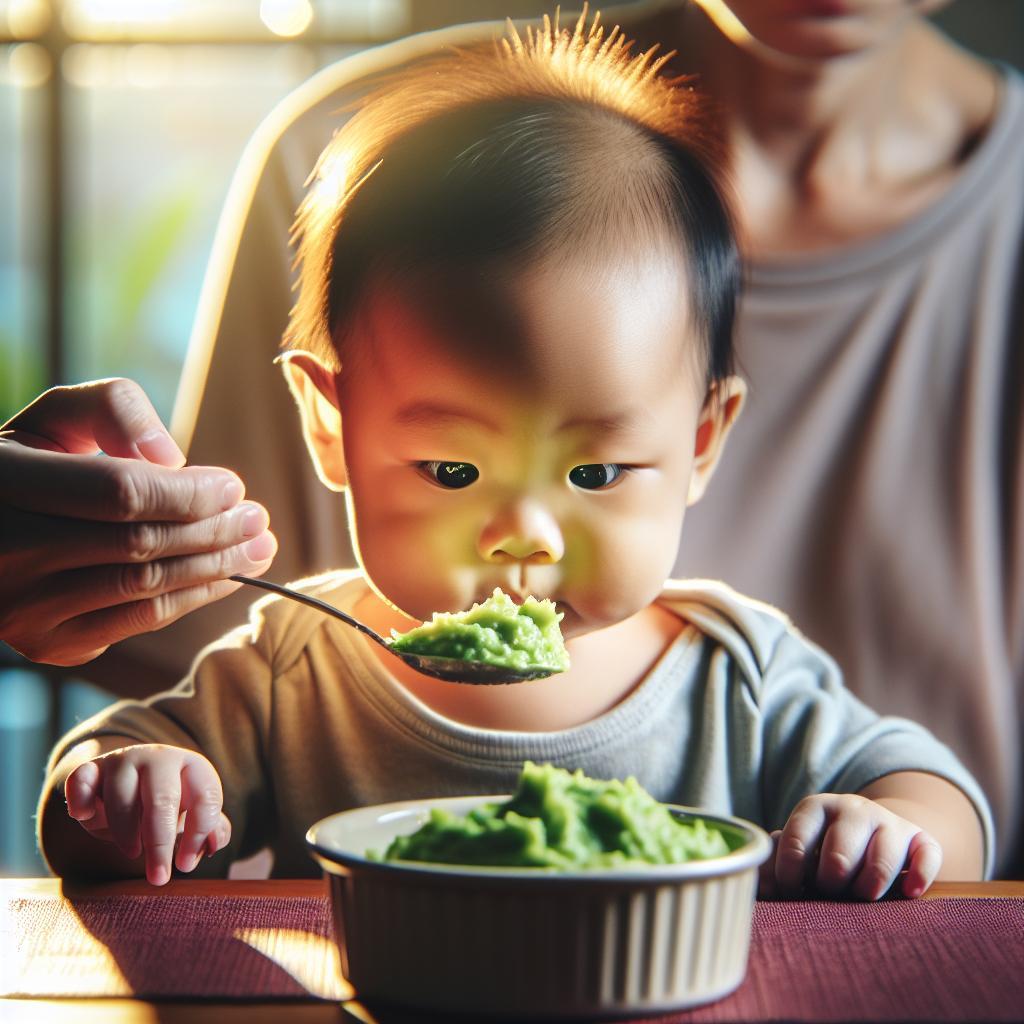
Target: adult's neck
{"points": [[826, 150]]}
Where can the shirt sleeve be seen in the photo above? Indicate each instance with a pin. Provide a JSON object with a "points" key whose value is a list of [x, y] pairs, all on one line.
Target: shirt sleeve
{"points": [[819, 738], [221, 710]]}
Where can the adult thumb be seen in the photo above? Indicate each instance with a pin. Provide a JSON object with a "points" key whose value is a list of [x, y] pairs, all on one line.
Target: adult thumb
{"points": [[114, 416]]}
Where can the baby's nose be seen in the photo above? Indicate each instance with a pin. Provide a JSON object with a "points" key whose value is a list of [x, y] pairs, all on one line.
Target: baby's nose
{"points": [[523, 531]]}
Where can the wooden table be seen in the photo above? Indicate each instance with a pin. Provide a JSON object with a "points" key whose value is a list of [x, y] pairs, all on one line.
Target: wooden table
{"points": [[131, 1011]]}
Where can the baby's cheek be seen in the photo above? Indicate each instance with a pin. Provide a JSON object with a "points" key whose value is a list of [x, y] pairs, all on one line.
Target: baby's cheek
{"points": [[420, 565], [615, 574]]}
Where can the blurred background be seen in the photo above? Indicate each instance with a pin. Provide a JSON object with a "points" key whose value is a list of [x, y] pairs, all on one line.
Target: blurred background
{"points": [[121, 122]]}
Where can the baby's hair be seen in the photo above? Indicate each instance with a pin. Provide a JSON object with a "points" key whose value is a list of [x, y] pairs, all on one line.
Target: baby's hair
{"points": [[562, 145]]}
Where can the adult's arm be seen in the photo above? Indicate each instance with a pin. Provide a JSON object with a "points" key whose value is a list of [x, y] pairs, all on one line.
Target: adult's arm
{"points": [[96, 549]]}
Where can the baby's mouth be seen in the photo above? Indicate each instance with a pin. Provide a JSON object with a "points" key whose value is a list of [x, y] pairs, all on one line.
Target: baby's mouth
{"points": [[518, 597]]}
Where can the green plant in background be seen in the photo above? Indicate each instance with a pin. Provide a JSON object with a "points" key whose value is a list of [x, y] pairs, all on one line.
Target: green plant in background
{"points": [[148, 265], [22, 371], [145, 255]]}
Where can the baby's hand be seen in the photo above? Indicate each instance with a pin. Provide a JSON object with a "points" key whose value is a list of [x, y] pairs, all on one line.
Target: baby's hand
{"points": [[141, 798], [847, 844]]}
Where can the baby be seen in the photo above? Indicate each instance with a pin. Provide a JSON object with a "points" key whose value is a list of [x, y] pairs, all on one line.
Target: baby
{"points": [[511, 353]]}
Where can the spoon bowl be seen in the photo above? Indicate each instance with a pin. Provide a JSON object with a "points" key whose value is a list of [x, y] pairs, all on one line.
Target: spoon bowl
{"points": [[452, 670]]}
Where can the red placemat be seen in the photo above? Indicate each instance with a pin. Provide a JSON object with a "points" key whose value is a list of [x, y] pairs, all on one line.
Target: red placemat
{"points": [[935, 960]]}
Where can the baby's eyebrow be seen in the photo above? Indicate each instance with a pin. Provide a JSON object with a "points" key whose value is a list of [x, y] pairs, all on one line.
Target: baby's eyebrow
{"points": [[624, 422], [427, 413]]}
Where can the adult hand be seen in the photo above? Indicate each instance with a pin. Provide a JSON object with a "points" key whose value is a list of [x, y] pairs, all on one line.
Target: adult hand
{"points": [[94, 550]]}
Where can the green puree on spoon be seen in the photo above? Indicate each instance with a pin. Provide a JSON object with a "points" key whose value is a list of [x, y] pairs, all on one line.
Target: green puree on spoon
{"points": [[496, 632]]}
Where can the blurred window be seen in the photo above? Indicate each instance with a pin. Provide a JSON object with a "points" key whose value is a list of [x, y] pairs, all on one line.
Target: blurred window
{"points": [[24, 70], [155, 132]]}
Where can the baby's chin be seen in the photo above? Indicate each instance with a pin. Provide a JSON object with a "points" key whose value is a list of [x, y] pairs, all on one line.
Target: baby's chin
{"points": [[576, 624]]}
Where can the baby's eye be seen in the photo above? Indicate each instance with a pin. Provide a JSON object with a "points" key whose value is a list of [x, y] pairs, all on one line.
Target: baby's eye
{"points": [[451, 474], [596, 475]]}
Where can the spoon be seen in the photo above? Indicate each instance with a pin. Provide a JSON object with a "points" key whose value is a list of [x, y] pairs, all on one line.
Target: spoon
{"points": [[453, 670]]}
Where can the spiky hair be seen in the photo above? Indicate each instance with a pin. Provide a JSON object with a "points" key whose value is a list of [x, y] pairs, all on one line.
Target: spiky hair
{"points": [[583, 70]]}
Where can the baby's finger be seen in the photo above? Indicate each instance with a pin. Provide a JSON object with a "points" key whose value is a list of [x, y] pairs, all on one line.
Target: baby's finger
{"points": [[219, 837], [844, 849], [886, 855], [924, 859], [81, 789], [160, 792], [766, 887], [797, 844], [97, 825], [202, 798], [121, 800]]}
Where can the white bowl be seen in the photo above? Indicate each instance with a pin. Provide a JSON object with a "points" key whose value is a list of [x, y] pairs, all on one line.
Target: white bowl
{"points": [[529, 941]]}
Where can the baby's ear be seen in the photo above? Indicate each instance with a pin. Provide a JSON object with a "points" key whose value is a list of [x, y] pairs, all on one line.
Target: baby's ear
{"points": [[312, 385], [722, 406]]}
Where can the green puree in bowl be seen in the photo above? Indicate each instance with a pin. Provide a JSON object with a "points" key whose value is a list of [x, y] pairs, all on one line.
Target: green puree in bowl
{"points": [[563, 820], [497, 632]]}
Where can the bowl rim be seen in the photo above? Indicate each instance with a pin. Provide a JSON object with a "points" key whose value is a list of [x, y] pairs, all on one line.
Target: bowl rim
{"points": [[754, 852]]}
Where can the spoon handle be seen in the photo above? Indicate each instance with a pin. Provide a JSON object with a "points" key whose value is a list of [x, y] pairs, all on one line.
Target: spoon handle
{"points": [[313, 602]]}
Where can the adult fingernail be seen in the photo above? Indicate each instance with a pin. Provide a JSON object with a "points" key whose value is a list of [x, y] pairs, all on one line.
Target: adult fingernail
{"points": [[232, 494], [161, 875], [260, 549], [254, 520], [157, 446]]}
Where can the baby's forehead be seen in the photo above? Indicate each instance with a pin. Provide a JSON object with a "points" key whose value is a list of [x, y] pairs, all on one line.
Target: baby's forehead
{"points": [[609, 325]]}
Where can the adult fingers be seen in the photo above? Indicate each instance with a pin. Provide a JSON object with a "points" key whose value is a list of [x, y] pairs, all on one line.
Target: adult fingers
{"points": [[112, 489], [52, 543], [87, 636], [160, 792], [798, 844], [924, 860], [202, 798], [113, 415], [80, 591]]}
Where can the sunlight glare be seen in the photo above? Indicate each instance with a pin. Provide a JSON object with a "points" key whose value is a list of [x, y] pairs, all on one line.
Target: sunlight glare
{"points": [[311, 959], [286, 18], [728, 24], [29, 66], [27, 18], [118, 11], [333, 181]]}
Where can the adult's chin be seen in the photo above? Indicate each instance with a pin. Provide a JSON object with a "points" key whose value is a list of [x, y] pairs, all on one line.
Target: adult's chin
{"points": [[817, 30]]}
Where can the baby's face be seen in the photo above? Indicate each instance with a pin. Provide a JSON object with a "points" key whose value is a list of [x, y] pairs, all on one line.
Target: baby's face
{"points": [[560, 472]]}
